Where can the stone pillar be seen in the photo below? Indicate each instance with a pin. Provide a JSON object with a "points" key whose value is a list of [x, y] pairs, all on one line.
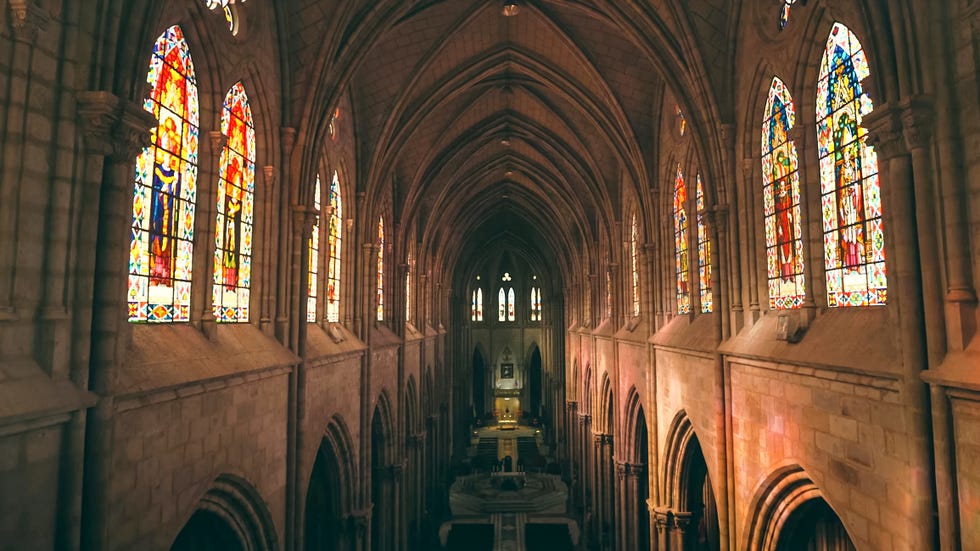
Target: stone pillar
{"points": [[680, 531], [662, 521], [623, 521], [118, 130], [749, 236]]}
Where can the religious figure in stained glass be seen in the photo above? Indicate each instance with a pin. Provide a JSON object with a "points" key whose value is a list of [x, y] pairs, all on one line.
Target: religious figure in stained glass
{"points": [[781, 201], [704, 254], [314, 258], [476, 310], [381, 269], [162, 238], [634, 266], [681, 266], [501, 305], [854, 244], [511, 308], [236, 186], [334, 240]]}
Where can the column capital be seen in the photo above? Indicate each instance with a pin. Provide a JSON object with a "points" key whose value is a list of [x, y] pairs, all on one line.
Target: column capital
{"points": [[358, 520], [682, 521], [112, 126], [305, 217], [288, 136], [622, 469], [884, 126], [416, 440], [218, 141], [607, 439], [661, 519], [27, 18], [918, 116], [269, 175]]}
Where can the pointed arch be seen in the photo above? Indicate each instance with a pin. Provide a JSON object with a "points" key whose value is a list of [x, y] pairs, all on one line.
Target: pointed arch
{"points": [[606, 413], [706, 294], [776, 507], [781, 201], [681, 265], [634, 416], [235, 208], [335, 230], [231, 512], [161, 250], [850, 192]]}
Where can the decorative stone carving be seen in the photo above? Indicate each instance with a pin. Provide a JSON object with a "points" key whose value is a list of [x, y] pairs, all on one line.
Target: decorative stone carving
{"points": [[27, 18], [114, 127], [269, 173], [218, 141], [884, 126], [917, 121]]}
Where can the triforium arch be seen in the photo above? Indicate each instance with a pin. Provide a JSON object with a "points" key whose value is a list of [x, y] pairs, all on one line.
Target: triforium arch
{"points": [[689, 514], [231, 515], [330, 514], [790, 512], [634, 475]]}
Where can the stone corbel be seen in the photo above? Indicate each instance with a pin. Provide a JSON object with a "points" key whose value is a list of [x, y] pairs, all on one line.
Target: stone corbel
{"points": [[27, 18], [304, 218], [269, 175], [114, 127], [917, 120], [884, 126], [218, 141]]}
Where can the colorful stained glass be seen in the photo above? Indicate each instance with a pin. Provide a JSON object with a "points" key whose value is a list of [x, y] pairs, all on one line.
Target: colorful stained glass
{"points": [[233, 231], [314, 259], [634, 266], [223, 5], [501, 305], [681, 266], [381, 269], [781, 201], [704, 254], [511, 308], [681, 121], [162, 238], [334, 240], [854, 244], [784, 12]]}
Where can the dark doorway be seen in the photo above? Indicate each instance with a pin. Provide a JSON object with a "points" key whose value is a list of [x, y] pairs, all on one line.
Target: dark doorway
{"points": [[643, 483], [479, 385], [534, 382], [206, 531], [323, 509], [700, 502], [814, 526]]}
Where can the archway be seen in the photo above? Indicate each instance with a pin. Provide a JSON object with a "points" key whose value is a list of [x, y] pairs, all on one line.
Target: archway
{"points": [[383, 475], [231, 515], [534, 381], [328, 493], [479, 384], [789, 512], [691, 520], [206, 531], [639, 483]]}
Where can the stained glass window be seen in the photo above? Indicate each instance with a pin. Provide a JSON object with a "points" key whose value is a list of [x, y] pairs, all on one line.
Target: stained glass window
{"points": [[704, 255], [226, 10], [784, 12], [634, 266], [850, 194], [502, 305], [609, 293], [511, 311], [162, 237], [408, 289], [535, 304], [476, 311], [233, 231], [381, 269], [781, 201], [680, 245], [334, 240], [314, 258], [681, 121]]}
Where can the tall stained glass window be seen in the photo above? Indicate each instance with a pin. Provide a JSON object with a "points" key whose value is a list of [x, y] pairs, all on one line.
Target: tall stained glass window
{"points": [[222, 5], [634, 265], [233, 231], [781, 201], [381, 269], [681, 267], [704, 255], [314, 259], [784, 11], [535, 304], [334, 236], [162, 238], [502, 305], [850, 194], [408, 289], [476, 312], [511, 308]]}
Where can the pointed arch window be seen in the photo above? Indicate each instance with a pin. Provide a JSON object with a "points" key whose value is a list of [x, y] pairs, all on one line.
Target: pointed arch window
{"points": [[634, 265], [681, 266], [850, 193], [334, 240], [225, 8], [781, 201], [314, 259], [511, 309], [162, 238], [502, 305], [535, 304], [704, 254], [381, 269], [236, 186], [408, 289], [476, 312]]}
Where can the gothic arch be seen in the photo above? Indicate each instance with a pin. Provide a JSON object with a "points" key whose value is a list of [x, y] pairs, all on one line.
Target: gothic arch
{"points": [[411, 406], [386, 424], [230, 510], [330, 490], [605, 416], [777, 502], [634, 416]]}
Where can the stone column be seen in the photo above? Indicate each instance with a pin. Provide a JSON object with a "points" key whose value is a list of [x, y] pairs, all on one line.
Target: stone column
{"points": [[662, 520], [625, 539], [680, 531], [267, 315], [205, 220], [750, 236]]}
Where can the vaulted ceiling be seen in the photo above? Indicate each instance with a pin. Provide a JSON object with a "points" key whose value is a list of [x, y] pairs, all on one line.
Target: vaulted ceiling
{"points": [[523, 130]]}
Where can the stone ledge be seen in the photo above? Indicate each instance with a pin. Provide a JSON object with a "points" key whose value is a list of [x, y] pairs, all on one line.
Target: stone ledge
{"points": [[878, 381]]}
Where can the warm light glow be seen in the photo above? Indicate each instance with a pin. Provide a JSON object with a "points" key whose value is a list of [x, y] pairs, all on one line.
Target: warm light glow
{"points": [[511, 9]]}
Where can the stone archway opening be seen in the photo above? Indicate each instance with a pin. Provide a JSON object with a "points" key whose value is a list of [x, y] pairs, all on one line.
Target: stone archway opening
{"points": [[205, 531], [323, 525], [814, 526]]}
